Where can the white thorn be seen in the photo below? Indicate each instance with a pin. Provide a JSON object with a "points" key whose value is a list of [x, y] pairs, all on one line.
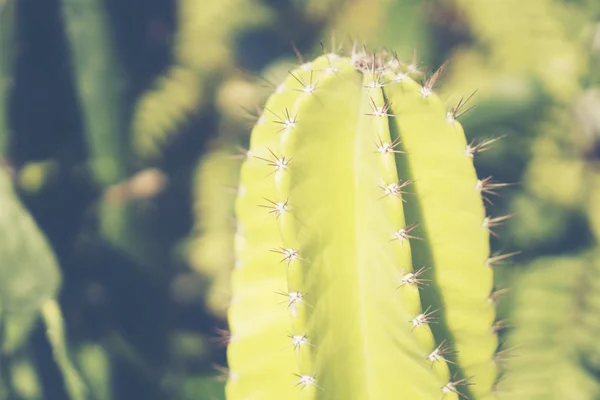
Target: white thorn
{"points": [[299, 340], [400, 77], [425, 92], [307, 380], [309, 88]]}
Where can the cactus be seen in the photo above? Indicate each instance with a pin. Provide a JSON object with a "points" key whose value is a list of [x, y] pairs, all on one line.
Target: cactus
{"points": [[363, 268]]}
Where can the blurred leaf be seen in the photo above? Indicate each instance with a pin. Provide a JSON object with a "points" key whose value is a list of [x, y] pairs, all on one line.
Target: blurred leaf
{"points": [[7, 17], [202, 50], [29, 273], [34, 176], [211, 245], [94, 364], [204, 388], [555, 318], [55, 331], [25, 380], [99, 87]]}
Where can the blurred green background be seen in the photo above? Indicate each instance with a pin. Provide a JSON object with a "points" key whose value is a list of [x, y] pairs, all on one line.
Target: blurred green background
{"points": [[121, 129]]}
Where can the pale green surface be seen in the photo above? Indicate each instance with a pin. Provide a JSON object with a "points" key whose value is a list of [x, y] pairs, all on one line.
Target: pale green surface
{"points": [[261, 356], [359, 325]]}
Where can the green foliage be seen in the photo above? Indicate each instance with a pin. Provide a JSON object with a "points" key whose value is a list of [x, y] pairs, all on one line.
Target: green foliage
{"points": [[29, 281], [55, 331], [101, 94], [398, 25], [211, 246], [202, 50], [94, 363], [29, 274], [536, 42], [368, 192], [99, 86], [552, 352]]}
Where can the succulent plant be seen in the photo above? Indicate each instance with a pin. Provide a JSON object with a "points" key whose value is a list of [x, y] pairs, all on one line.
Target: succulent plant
{"points": [[362, 245]]}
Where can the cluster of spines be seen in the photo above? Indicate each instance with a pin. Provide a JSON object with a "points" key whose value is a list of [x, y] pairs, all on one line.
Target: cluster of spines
{"points": [[307, 79]]}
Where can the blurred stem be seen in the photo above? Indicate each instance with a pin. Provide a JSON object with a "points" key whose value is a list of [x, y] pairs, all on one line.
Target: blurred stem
{"points": [[7, 18], [55, 331], [6, 389], [100, 87], [101, 96]]}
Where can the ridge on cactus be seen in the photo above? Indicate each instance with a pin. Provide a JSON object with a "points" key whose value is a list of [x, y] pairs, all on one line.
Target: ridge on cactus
{"points": [[363, 263]]}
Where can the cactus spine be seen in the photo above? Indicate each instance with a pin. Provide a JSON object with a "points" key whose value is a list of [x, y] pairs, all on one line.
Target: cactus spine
{"points": [[364, 270]]}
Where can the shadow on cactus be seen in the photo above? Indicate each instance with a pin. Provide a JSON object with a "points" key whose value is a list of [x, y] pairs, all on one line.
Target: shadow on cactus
{"points": [[363, 265]]}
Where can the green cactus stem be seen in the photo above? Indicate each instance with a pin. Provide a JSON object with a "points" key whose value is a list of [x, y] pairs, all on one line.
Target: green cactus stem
{"points": [[363, 268]]}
